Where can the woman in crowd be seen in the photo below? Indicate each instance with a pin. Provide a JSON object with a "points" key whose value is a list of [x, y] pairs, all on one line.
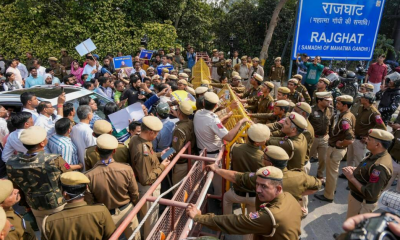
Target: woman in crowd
{"points": [[11, 83], [76, 70]]}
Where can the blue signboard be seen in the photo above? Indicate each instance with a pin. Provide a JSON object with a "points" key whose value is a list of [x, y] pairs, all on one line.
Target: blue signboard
{"points": [[145, 54], [339, 29], [123, 62]]}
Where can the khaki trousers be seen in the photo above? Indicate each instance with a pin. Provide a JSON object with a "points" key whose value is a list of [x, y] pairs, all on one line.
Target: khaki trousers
{"points": [[333, 158], [119, 217], [276, 86], [356, 153], [41, 214], [319, 148], [231, 197], [153, 217], [355, 207], [179, 172], [304, 199], [396, 173]]}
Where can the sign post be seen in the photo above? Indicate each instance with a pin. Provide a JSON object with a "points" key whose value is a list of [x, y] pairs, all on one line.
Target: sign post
{"points": [[339, 29]]}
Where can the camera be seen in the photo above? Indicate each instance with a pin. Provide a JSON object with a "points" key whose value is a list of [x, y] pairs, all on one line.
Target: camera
{"points": [[373, 229]]}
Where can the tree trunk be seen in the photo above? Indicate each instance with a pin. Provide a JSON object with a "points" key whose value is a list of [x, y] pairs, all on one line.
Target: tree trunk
{"points": [[270, 30], [182, 6]]}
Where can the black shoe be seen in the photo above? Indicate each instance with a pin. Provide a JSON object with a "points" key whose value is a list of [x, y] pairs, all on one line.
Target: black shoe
{"points": [[313, 160], [323, 198], [342, 176]]}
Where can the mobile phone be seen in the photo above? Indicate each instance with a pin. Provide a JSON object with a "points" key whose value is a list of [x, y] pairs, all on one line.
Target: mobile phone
{"points": [[168, 153]]}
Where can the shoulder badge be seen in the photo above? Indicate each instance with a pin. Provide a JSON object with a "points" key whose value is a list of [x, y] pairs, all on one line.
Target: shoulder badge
{"points": [[146, 151], [67, 166], [374, 177], [271, 106], [378, 119], [254, 215], [220, 126], [345, 125]]}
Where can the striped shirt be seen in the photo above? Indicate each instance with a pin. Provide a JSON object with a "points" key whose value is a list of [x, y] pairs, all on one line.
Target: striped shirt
{"points": [[65, 147]]}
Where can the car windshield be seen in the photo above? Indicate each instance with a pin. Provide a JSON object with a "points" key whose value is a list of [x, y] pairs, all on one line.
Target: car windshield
{"points": [[44, 92]]}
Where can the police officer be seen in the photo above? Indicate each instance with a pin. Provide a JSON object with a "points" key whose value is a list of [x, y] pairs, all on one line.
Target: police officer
{"points": [[394, 150], [246, 157], [279, 216], [59, 71], [357, 101], [294, 142], [322, 84], [252, 95], [367, 118], [266, 101], [145, 161], [183, 133], [43, 195], [20, 230], [5, 225], [92, 156], [103, 176], [237, 85], [294, 95], [341, 135], [277, 74], [391, 97], [367, 181], [78, 220], [302, 89], [320, 118], [66, 60], [281, 108], [283, 94], [200, 91]]}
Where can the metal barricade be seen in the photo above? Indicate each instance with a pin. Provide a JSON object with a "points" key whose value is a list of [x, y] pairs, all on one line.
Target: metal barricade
{"points": [[200, 71]]}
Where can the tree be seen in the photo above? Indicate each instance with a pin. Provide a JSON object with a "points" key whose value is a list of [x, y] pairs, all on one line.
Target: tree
{"points": [[270, 30]]}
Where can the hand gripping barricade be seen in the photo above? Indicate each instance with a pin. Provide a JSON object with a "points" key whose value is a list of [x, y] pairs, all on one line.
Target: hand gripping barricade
{"points": [[174, 223]]}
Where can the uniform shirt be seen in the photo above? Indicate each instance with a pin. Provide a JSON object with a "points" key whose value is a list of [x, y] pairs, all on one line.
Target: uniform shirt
{"points": [[209, 130], [296, 148], [395, 148], [252, 95], [164, 136], [79, 221], [82, 137], [265, 104], [144, 160], [303, 90], [183, 133], [13, 145], [296, 97], [284, 208], [246, 158], [366, 119], [66, 62], [320, 120], [258, 69], [92, 156], [377, 73], [48, 123], [31, 81], [343, 129], [374, 173], [244, 71], [309, 134], [20, 229], [356, 104], [59, 71], [34, 113], [17, 74], [64, 146], [277, 74], [102, 184]]}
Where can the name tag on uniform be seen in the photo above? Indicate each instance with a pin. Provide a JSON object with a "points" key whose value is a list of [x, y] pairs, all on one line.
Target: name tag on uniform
{"points": [[316, 114]]}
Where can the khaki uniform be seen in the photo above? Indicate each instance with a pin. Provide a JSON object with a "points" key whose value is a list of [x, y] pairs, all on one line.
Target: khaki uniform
{"points": [[356, 104], [183, 133], [321, 121], [284, 209], [342, 130], [59, 71], [296, 148], [309, 135], [313, 100], [366, 119], [265, 105], [296, 97], [252, 96], [145, 161], [374, 173], [102, 179], [92, 156], [29, 63], [239, 89], [277, 76], [269, 117], [79, 221], [20, 229], [394, 151], [66, 62], [303, 90]]}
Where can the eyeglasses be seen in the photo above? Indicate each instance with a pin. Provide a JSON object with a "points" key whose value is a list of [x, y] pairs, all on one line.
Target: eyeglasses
{"points": [[49, 107]]}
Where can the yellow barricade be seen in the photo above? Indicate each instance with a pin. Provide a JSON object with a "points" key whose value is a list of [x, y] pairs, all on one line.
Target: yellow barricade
{"points": [[238, 114], [200, 71]]}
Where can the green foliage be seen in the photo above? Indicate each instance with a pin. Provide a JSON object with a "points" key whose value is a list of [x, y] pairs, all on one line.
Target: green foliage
{"points": [[383, 46], [160, 35]]}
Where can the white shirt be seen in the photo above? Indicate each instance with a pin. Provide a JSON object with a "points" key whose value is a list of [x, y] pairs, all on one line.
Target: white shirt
{"points": [[13, 144], [47, 123], [35, 114], [22, 69], [41, 71], [3, 129], [82, 137], [88, 70], [209, 130], [16, 72]]}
